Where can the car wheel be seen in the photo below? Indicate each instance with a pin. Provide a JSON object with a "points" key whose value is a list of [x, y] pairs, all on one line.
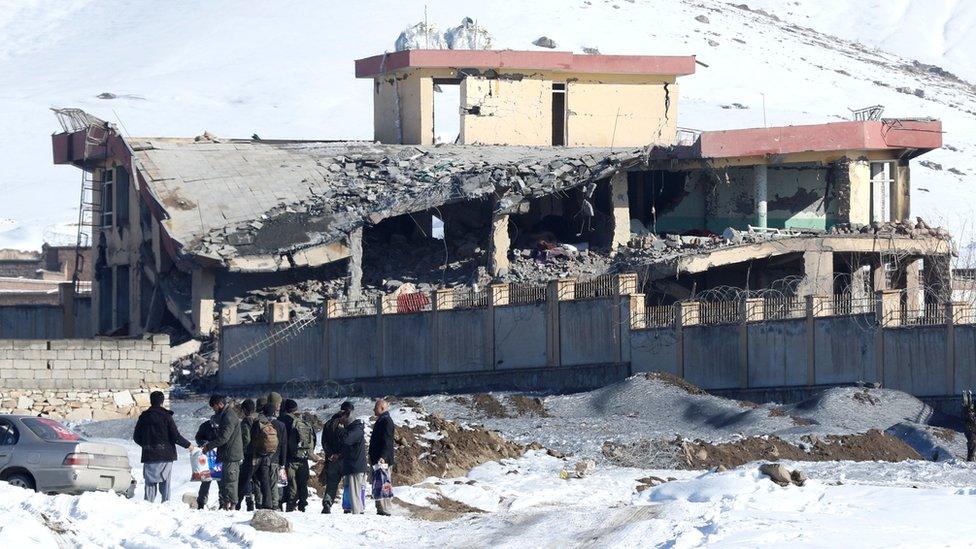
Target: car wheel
{"points": [[21, 480]]}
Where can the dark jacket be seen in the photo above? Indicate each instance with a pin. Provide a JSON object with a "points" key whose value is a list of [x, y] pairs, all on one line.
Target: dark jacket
{"points": [[247, 424], [332, 434], [228, 443], [381, 440], [207, 431], [156, 433], [354, 449]]}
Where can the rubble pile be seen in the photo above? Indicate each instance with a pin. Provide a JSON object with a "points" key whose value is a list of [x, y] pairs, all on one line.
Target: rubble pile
{"points": [[917, 228], [352, 184]]}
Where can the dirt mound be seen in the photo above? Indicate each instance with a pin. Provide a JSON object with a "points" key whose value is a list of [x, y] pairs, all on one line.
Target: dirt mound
{"points": [[441, 448], [528, 406], [489, 405], [675, 381], [873, 445]]}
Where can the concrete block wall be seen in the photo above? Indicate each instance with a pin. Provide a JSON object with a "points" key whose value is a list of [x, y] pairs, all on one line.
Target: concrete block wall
{"points": [[559, 333], [79, 379]]}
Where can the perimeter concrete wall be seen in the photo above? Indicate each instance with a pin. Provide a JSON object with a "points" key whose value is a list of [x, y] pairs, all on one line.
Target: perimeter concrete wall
{"points": [[510, 343]]}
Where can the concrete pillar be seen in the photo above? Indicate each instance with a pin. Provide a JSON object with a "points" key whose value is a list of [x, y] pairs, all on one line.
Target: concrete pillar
{"points": [[566, 289], [626, 283], [443, 299], [552, 324], [228, 314], [620, 202], [498, 294], [498, 246], [331, 308], [688, 313], [912, 270], [900, 200], [858, 191], [879, 280], [859, 285], [638, 312], [202, 300], [355, 289], [888, 308], [752, 309], [66, 295], [380, 335], [938, 278], [760, 173], [277, 311], [818, 273]]}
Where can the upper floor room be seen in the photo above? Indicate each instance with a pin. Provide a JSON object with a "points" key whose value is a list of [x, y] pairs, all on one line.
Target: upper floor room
{"points": [[552, 98]]}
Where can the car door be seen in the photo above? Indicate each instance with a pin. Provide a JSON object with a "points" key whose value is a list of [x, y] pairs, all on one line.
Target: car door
{"points": [[8, 442]]}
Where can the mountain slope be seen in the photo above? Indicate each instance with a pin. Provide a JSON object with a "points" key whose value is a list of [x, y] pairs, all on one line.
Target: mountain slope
{"points": [[286, 71]]}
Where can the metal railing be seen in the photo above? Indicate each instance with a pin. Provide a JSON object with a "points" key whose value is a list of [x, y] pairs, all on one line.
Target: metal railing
{"points": [[846, 305], [602, 286], [658, 316], [468, 298], [927, 314], [522, 293], [720, 312], [782, 307]]}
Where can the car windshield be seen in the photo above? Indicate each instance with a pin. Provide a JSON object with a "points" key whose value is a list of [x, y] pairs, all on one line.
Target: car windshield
{"points": [[50, 430]]}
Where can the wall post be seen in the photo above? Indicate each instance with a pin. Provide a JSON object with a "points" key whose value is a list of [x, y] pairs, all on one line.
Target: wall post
{"points": [[556, 291], [497, 296], [380, 336], [686, 313], [66, 295]]}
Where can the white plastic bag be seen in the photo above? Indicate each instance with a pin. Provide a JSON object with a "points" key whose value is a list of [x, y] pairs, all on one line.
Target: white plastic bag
{"points": [[200, 469], [204, 467]]}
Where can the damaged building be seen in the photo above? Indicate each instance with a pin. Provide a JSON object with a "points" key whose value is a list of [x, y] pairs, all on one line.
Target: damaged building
{"points": [[498, 166]]}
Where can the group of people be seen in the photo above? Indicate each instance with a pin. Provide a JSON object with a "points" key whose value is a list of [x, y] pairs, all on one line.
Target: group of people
{"points": [[265, 443]]}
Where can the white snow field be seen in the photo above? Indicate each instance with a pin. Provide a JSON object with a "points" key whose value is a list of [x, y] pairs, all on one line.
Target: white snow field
{"points": [[285, 70], [524, 503]]}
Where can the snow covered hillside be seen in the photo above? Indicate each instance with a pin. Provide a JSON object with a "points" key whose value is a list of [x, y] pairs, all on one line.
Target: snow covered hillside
{"points": [[285, 70]]}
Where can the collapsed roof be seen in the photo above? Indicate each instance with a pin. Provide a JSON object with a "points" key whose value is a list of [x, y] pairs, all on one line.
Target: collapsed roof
{"points": [[270, 205]]}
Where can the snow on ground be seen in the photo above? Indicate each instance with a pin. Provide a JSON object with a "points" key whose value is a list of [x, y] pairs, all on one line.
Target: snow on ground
{"points": [[639, 409], [239, 68], [528, 505], [524, 503]]}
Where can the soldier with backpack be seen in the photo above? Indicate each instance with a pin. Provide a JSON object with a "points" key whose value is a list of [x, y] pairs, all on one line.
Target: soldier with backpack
{"points": [[301, 443], [331, 474], [267, 437]]}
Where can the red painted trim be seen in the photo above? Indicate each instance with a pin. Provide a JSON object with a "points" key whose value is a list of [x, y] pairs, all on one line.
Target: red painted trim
{"points": [[558, 61], [835, 136]]}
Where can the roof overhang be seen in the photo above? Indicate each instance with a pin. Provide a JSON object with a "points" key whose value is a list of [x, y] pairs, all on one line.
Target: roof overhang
{"points": [[554, 61], [831, 137]]}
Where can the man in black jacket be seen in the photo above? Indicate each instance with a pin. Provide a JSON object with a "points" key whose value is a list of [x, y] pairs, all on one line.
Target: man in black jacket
{"points": [[381, 448], [354, 463], [158, 436], [331, 474]]}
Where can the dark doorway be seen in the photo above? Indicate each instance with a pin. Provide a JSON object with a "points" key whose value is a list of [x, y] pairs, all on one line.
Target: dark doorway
{"points": [[558, 114]]}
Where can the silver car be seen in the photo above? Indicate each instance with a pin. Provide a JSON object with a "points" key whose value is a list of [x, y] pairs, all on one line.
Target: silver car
{"points": [[41, 454]]}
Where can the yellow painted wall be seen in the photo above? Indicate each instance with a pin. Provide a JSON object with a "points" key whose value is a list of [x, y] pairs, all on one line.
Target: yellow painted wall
{"points": [[510, 112], [859, 176], [602, 110], [416, 110], [621, 112]]}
